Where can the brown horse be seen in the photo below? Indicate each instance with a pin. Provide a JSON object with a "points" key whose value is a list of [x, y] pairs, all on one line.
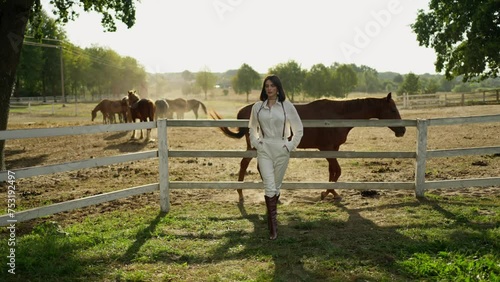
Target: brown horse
{"points": [[325, 138], [161, 109], [194, 105], [177, 106], [108, 109], [141, 109]]}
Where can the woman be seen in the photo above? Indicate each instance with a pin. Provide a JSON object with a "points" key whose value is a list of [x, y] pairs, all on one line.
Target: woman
{"points": [[270, 123]]}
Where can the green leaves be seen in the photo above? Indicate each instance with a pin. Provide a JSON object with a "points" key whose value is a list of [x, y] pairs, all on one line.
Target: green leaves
{"points": [[124, 11], [465, 36]]}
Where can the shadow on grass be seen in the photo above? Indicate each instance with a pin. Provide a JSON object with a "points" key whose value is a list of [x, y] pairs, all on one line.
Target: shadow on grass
{"points": [[48, 255], [25, 161], [141, 238], [339, 243]]}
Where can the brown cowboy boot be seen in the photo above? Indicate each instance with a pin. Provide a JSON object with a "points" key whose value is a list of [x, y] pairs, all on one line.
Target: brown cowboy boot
{"points": [[272, 212]]}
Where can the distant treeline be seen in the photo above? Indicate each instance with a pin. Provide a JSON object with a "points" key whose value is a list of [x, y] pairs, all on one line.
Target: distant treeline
{"points": [[368, 80], [56, 67]]}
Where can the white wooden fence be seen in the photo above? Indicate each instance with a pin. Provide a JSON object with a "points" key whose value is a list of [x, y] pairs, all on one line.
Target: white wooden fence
{"points": [[421, 154], [449, 99]]}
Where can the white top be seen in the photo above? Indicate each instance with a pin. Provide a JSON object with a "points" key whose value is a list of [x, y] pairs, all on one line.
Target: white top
{"points": [[266, 122]]}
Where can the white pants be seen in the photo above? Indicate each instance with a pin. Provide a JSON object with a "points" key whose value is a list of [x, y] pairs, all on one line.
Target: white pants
{"points": [[273, 159]]}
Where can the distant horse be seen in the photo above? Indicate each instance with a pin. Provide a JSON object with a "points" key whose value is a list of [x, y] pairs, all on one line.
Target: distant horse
{"points": [[161, 109], [108, 109], [177, 106], [324, 138], [194, 105], [141, 109]]}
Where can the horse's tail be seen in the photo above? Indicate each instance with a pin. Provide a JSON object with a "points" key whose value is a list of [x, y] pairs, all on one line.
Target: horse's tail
{"points": [[228, 132], [203, 107]]}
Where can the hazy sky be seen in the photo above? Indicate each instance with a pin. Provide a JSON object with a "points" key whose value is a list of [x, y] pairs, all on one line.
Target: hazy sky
{"points": [[178, 35]]}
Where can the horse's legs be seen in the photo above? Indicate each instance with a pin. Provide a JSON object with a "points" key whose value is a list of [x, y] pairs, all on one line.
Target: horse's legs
{"points": [[133, 131], [195, 110], [334, 172], [148, 132], [241, 176]]}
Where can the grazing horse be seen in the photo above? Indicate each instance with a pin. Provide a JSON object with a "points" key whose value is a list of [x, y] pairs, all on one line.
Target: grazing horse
{"points": [[324, 138], [177, 106], [108, 109], [141, 109], [194, 105], [161, 109]]}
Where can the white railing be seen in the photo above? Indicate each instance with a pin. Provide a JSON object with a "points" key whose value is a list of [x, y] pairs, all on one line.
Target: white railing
{"points": [[421, 155], [449, 99]]}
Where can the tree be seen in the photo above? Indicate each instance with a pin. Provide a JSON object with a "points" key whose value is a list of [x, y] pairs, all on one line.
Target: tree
{"points": [[14, 16], [430, 86], [318, 80], [187, 76], [76, 69], [246, 79], [205, 80], [462, 88], [291, 75], [464, 35], [29, 72], [398, 79], [410, 84], [347, 79], [446, 85], [39, 70], [132, 74]]}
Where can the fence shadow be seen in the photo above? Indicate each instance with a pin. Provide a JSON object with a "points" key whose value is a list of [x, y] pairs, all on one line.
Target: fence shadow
{"points": [[129, 146], [117, 135], [25, 162], [140, 238]]}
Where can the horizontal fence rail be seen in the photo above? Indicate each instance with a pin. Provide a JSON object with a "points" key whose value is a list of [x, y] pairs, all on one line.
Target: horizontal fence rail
{"points": [[421, 154], [491, 96]]}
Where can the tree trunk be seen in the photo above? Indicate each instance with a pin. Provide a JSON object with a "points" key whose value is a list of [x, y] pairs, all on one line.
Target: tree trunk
{"points": [[14, 15]]}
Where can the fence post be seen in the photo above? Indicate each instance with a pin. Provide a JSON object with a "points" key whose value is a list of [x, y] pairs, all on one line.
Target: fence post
{"points": [[422, 125], [163, 165]]}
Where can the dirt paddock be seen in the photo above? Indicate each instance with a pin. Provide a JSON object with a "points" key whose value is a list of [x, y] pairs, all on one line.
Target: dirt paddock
{"points": [[48, 189]]}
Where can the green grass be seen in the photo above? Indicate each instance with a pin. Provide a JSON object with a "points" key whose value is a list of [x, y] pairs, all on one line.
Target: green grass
{"points": [[451, 238]]}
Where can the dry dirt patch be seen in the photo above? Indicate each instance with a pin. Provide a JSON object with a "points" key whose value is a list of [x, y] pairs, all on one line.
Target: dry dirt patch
{"points": [[42, 190]]}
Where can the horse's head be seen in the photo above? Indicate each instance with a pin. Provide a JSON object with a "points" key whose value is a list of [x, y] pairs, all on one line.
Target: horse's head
{"points": [[390, 111], [124, 102], [94, 114], [132, 97]]}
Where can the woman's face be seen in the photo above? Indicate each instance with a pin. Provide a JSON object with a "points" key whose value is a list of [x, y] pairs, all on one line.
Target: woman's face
{"points": [[271, 90]]}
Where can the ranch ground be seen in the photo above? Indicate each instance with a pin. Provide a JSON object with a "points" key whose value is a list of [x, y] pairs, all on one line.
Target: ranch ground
{"points": [[37, 191], [207, 234]]}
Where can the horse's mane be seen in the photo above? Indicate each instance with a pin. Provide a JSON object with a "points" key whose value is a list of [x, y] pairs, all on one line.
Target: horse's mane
{"points": [[99, 105]]}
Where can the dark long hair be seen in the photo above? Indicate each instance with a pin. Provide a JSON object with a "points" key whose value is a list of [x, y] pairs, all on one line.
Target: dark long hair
{"points": [[276, 81]]}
